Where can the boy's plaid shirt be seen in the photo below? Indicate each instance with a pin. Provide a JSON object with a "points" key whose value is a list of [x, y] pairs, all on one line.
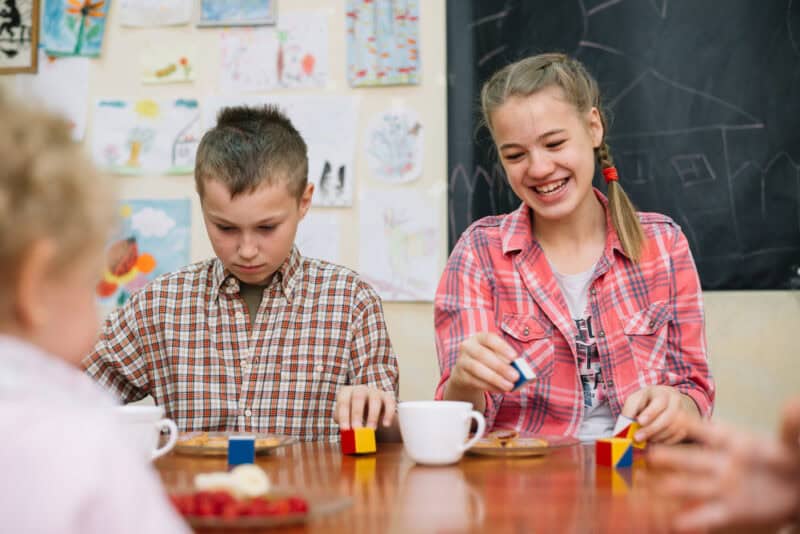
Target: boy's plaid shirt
{"points": [[647, 319], [186, 340]]}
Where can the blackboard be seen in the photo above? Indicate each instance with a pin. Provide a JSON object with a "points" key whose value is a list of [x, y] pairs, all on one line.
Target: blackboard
{"points": [[704, 99]]}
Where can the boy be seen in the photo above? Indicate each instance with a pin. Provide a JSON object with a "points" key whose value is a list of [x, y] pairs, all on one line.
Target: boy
{"points": [[260, 338], [65, 464]]}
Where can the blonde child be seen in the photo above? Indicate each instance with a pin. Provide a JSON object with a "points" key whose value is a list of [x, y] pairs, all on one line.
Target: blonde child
{"points": [[259, 338], [64, 466], [602, 302]]}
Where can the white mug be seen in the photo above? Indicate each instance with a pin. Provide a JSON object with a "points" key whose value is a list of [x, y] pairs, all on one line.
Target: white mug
{"points": [[143, 425], [435, 432]]}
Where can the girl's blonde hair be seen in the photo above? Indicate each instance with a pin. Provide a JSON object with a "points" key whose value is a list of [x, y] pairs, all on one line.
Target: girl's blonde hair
{"points": [[535, 73], [48, 190]]}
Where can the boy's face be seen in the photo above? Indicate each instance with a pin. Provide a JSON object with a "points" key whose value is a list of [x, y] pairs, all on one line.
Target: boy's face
{"points": [[253, 233]]}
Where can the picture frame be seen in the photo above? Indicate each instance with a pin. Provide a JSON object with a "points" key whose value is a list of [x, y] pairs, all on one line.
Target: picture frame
{"points": [[19, 36], [215, 13]]}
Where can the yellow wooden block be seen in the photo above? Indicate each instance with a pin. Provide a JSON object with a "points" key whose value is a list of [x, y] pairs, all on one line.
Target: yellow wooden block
{"points": [[365, 440]]}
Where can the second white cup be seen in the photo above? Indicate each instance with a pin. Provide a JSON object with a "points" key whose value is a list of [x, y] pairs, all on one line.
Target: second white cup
{"points": [[143, 426], [435, 432]]}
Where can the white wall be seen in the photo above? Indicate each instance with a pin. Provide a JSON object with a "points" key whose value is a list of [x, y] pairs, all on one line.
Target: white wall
{"points": [[752, 335]]}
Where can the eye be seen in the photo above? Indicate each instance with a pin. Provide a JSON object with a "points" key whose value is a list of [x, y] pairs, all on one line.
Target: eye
{"points": [[513, 156], [266, 228], [224, 228], [556, 144]]}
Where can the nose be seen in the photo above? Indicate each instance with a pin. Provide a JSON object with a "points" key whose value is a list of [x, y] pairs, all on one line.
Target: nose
{"points": [[541, 164], [247, 247]]}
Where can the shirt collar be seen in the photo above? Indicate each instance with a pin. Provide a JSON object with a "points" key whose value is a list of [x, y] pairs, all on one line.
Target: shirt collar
{"points": [[285, 277], [516, 229]]}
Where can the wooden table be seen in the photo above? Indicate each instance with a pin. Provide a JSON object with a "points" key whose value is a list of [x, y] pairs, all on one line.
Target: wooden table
{"points": [[561, 492]]}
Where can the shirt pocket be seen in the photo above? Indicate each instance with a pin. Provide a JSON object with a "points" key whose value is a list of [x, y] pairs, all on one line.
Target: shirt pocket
{"points": [[647, 333], [319, 376], [531, 340]]}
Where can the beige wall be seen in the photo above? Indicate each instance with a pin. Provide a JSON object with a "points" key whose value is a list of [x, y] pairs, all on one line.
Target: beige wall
{"points": [[752, 335]]}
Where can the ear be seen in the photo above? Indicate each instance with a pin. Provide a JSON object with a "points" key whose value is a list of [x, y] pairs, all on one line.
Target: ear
{"points": [[596, 130], [30, 306], [305, 199]]}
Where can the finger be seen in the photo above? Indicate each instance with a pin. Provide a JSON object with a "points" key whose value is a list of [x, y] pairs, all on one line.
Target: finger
{"points": [[652, 409], [706, 516], [389, 408], [682, 486], [632, 404], [343, 407], [661, 428], [691, 459], [357, 401], [478, 371], [375, 400], [790, 423], [493, 360], [498, 345]]}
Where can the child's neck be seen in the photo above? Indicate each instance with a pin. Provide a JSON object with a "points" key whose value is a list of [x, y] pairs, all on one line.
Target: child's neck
{"points": [[575, 243]]}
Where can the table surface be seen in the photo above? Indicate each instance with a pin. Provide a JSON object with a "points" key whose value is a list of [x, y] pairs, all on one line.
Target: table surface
{"points": [[563, 491]]}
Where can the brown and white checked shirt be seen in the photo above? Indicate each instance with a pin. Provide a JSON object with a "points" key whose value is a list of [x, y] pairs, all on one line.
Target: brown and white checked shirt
{"points": [[186, 340]]}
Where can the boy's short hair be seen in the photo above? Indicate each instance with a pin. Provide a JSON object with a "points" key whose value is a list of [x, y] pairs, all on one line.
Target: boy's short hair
{"points": [[48, 189], [250, 146]]}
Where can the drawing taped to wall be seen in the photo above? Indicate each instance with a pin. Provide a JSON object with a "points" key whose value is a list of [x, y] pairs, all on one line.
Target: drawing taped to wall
{"points": [[74, 27], [146, 136], [236, 12], [382, 42], [328, 126], [168, 64], [19, 34], [399, 236], [154, 13], [153, 239], [293, 54], [394, 146]]}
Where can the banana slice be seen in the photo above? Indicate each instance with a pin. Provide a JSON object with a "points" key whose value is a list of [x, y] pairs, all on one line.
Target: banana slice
{"points": [[249, 480]]}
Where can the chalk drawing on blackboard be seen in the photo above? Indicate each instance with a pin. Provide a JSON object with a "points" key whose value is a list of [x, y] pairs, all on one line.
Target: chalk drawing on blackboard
{"points": [[660, 7], [693, 169]]}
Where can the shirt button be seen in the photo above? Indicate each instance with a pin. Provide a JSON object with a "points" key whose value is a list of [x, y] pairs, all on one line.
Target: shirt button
{"points": [[245, 365], [248, 413], [594, 292], [525, 332], [609, 383], [318, 368], [651, 324], [602, 333]]}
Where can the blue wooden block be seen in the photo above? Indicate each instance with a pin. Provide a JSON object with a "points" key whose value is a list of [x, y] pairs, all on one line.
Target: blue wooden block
{"points": [[526, 374], [241, 450]]}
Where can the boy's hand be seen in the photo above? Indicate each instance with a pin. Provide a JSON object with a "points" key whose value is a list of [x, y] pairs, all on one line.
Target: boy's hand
{"points": [[484, 364], [662, 412], [734, 478], [353, 402]]}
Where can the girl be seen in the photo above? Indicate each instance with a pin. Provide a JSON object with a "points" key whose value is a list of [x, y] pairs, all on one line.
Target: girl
{"points": [[604, 303], [66, 465]]}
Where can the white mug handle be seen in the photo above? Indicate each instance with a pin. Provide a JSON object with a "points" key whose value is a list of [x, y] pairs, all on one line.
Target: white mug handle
{"points": [[478, 416], [173, 437]]}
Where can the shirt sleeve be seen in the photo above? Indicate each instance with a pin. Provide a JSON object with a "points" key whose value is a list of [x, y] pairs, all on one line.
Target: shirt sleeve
{"points": [[373, 361], [687, 358], [118, 361], [463, 307]]}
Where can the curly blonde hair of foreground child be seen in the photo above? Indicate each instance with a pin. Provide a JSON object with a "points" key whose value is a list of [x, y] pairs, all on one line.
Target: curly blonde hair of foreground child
{"points": [[48, 190]]}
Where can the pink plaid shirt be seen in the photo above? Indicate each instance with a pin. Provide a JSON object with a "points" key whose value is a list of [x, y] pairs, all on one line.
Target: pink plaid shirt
{"points": [[648, 319], [186, 340]]}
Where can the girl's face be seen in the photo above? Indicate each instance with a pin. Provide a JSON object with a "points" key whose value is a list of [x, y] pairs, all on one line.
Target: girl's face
{"points": [[547, 150]]}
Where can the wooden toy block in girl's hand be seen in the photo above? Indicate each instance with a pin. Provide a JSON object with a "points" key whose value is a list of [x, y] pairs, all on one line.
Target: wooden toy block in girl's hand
{"points": [[627, 428], [526, 374], [613, 452], [358, 441]]}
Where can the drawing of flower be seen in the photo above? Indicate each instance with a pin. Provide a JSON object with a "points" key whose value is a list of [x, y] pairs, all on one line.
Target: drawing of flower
{"points": [[85, 10]]}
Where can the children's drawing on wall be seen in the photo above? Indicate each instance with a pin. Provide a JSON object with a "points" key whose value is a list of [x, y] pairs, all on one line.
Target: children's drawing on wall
{"points": [[155, 136], [328, 125], [168, 64], [394, 146], [74, 27], [154, 13], [236, 12], [61, 86], [19, 31], [382, 42], [399, 244], [292, 54], [153, 238], [318, 236]]}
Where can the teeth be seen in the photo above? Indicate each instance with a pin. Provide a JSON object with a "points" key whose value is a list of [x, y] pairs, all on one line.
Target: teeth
{"points": [[549, 188]]}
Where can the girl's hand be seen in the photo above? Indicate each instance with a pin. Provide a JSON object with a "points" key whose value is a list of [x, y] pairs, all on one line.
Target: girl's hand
{"points": [[484, 364], [662, 412]]}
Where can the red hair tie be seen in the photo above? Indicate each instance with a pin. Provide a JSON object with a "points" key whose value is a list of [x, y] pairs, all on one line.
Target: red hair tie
{"points": [[611, 174]]}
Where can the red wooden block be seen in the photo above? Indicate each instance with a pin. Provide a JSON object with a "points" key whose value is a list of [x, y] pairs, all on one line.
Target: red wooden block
{"points": [[348, 441]]}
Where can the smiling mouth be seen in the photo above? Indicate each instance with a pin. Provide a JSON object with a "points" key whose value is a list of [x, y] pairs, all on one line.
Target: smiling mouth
{"points": [[250, 267], [551, 188]]}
